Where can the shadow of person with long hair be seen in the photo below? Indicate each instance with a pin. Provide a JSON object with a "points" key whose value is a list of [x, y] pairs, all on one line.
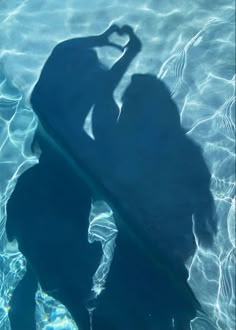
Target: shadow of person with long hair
{"points": [[161, 187], [143, 164]]}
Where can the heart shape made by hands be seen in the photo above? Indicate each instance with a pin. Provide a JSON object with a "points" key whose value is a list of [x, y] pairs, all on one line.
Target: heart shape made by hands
{"points": [[120, 39]]}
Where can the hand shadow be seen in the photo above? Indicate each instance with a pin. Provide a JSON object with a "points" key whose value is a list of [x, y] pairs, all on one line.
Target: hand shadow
{"points": [[144, 165]]}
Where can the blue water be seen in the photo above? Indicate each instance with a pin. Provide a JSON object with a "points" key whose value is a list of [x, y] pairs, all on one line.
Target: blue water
{"points": [[190, 48]]}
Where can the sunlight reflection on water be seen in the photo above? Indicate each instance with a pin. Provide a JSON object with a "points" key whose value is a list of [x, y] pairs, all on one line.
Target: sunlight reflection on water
{"points": [[192, 49]]}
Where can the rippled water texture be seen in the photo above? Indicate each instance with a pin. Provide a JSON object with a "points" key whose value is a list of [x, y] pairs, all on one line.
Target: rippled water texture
{"points": [[188, 44]]}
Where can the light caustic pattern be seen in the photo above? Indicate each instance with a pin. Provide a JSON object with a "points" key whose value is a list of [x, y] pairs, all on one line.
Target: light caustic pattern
{"points": [[192, 49]]}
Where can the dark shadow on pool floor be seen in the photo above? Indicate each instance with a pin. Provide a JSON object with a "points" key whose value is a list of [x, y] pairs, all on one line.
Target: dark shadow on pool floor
{"points": [[153, 176]]}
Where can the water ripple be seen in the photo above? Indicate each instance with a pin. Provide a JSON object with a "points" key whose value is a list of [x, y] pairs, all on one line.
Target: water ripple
{"points": [[192, 49]]}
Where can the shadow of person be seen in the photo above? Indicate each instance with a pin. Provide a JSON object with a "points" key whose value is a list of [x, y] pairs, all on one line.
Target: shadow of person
{"points": [[147, 169], [49, 208], [161, 187]]}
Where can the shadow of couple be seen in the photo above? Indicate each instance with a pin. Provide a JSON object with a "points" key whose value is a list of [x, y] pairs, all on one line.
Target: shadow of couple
{"points": [[141, 162]]}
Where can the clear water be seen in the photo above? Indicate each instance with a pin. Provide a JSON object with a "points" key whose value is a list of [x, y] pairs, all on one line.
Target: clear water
{"points": [[190, 45]]}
